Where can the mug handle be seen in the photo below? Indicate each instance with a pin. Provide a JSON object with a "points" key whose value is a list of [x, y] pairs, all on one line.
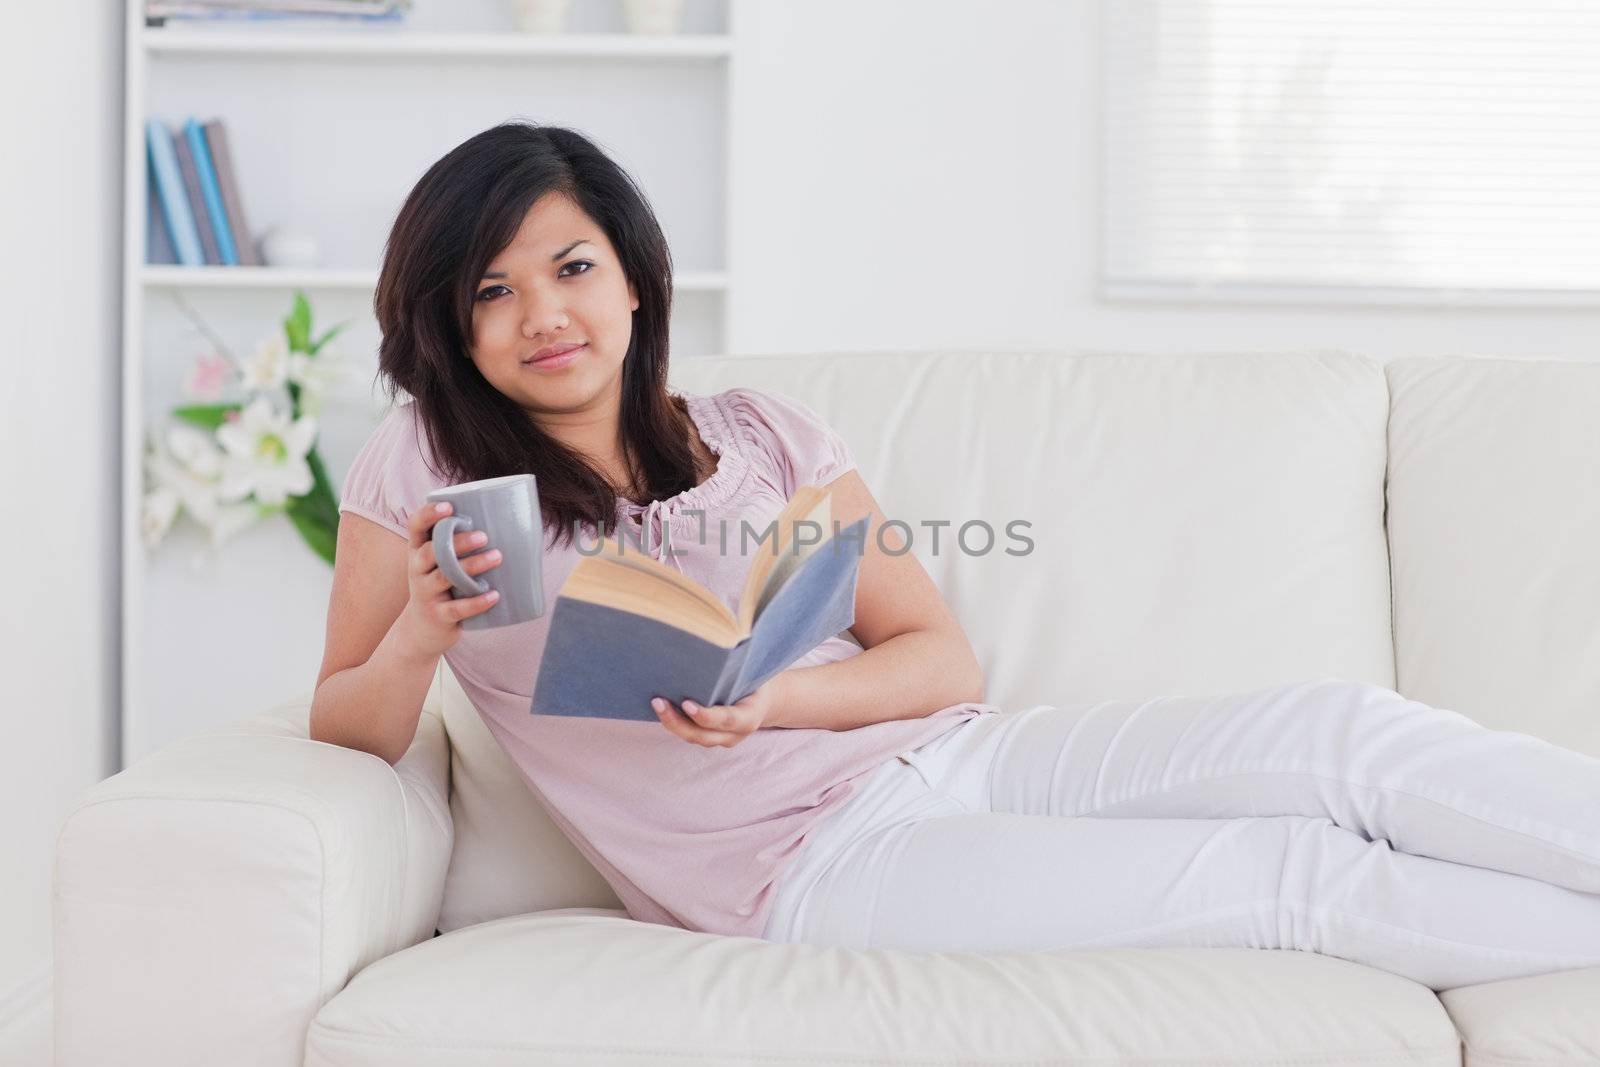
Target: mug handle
{"points": [[444, 553]]}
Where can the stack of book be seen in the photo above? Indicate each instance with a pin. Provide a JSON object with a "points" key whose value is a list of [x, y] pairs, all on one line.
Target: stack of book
{"points": [[156, 12], [193, 190]]}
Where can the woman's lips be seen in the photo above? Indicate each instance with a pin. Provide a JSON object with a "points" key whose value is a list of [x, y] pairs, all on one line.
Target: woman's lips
{"points": [[556, 362]]}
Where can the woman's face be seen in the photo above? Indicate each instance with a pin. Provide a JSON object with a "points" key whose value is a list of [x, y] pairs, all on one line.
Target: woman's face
{"points": [[544, 290]]}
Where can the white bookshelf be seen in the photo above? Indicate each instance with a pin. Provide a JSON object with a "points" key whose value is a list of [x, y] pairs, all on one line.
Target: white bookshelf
{"points": [[408, 43], [167, 276], [329, 128]]}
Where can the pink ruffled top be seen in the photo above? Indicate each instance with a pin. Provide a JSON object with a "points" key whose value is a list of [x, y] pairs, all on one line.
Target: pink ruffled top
{"points": [[685, 835]]}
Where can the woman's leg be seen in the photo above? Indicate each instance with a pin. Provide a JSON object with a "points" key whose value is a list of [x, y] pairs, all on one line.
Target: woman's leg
{"points": [[989, 882], [1429, 782]]}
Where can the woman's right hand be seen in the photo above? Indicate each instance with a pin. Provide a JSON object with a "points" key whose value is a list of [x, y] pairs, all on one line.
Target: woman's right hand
{"points": [[432, 617]]}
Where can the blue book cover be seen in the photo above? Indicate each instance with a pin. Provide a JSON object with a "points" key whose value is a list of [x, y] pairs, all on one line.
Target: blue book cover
{"points": [[157, 241], [174, 202], [602, 661], [216, 211]]}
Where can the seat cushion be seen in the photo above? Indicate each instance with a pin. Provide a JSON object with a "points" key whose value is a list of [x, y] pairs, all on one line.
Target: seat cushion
{"points": [[1544, 1020], [592, 986]]}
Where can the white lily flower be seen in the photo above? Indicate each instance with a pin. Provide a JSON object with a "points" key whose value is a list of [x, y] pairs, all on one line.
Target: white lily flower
{"points": [[184, 467], [197, 450], [160, 508], [316, 376], [266, 454], [268, 367]]}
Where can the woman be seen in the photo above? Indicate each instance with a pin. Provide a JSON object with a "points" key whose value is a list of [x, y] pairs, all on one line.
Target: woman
{"points": [[866, 797]]}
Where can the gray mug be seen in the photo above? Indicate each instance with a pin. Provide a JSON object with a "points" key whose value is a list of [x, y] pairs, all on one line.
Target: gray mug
{"points": [[507, 509]]}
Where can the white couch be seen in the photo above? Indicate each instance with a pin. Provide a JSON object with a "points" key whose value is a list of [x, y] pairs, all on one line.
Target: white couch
{"points": [[1208, 522]]}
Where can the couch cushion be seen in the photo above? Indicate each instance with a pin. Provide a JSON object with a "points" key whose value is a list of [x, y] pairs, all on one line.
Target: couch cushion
{"points": [[1494, 515], [1544, 1020], [598, 988]]}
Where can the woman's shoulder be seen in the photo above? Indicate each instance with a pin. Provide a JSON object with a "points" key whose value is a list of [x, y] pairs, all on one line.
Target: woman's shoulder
{"points": [[769, 413], [400, 440], [796, 444], [393, 472]]}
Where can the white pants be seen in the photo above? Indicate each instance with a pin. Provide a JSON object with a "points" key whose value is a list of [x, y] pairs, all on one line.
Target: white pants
{"points": [[1325, 816]]}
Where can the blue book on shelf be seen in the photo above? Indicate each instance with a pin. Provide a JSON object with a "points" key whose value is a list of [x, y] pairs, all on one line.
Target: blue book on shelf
{"points": [[174, 201], [623, 631], [216, 211], [157, 241]]}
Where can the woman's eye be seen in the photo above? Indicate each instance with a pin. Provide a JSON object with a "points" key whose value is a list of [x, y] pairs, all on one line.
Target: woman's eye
{"points": [[489, 293]]}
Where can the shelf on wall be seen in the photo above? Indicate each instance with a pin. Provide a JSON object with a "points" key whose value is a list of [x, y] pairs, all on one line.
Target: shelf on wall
{"points": [[411, 43], [174, 277]]}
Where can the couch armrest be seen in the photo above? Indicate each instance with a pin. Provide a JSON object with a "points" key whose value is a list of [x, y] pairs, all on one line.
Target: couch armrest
{"points": [[212, 896]]}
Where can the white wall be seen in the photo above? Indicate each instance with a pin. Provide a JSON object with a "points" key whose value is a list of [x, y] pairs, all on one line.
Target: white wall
{"points": [[61, 242], [926, 174]]}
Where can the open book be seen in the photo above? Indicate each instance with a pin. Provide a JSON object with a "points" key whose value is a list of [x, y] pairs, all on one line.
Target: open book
{"points": [[626, 628]]}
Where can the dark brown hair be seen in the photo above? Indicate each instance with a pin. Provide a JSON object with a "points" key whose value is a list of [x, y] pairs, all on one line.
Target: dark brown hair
{"points": [[459, 216]]}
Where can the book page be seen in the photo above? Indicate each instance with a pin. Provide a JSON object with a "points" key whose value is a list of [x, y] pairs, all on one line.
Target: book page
{"points": [[642, 586], [655, 568], [758, 581], [790, 558], [817, 602]]}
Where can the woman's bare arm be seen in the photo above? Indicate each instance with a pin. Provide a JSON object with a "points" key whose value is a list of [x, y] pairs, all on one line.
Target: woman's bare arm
{"points": [[370, 687], [916, 658], [390, 618]]}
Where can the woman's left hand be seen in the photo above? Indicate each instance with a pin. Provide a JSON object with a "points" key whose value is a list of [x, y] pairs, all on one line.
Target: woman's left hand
{"points": [[722, 725]]}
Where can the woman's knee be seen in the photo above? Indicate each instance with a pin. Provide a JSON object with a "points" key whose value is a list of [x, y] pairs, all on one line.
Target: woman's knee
{"points": [[1354, 692], [1349, 698]]}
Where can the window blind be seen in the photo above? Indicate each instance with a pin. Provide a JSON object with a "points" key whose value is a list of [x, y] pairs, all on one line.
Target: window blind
{"points": [[1364, 146]]}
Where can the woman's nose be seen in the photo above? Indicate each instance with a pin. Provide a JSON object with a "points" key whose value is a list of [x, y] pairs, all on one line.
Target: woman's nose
{"points": [[536, 325], [542, 319]]}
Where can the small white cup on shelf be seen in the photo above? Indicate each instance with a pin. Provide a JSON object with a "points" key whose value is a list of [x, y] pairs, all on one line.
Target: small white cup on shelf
{"points": [[653, 17], [282, 247], [541, 16]]}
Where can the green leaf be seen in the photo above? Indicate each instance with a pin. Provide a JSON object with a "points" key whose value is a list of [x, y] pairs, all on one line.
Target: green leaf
{"points": [[321, 485], [297, 327], [206, 416], [325, 338], [320, 503], [314, 529]]}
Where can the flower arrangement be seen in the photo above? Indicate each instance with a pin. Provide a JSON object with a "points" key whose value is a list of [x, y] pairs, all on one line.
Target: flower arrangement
{"points": [[230, 463]]}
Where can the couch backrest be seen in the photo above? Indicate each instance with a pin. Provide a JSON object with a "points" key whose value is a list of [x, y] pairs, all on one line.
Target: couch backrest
{"points": [[1494, 533], [1198, 523]]}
